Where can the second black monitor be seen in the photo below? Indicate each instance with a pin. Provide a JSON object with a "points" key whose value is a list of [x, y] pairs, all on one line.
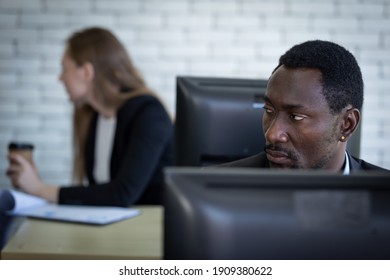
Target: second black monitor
{"points": [[218, 119]]}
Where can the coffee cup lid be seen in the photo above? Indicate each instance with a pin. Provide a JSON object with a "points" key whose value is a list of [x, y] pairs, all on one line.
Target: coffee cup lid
{"points": [[20, 146]]}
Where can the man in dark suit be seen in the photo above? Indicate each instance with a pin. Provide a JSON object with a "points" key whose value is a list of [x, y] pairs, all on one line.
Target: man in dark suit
{"points": [[312, 107]]}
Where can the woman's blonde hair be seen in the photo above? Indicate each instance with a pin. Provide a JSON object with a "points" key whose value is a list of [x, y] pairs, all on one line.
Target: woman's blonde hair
{"points": [[114, 74]]}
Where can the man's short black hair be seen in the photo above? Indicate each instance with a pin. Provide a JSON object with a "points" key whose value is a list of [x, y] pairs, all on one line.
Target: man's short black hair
{"points": [[341, 76]]}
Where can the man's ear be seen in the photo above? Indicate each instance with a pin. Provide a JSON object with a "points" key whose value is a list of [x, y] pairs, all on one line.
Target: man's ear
{"points": [[349, 124], [89, 71]]}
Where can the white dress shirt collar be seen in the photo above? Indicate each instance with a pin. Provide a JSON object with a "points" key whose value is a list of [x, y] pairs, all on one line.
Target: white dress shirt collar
{"points": [[347, 168]]}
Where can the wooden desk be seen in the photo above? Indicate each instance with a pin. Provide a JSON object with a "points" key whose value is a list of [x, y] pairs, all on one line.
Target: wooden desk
{"points": [[136, 238]]}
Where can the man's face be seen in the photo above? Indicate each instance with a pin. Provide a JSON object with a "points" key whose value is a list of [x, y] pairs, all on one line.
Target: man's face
{"points": [[299, 129]]}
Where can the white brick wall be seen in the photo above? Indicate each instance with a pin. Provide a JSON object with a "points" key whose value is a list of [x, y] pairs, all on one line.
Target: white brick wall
{"points": [[227, 38]]}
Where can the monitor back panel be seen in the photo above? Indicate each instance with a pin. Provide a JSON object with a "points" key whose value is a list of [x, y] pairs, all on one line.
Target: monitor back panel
{"points": [[241, 214]]}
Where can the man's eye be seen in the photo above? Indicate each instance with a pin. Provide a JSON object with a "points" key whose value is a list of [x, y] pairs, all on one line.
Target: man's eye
{"points": [[296, 117], [268, 110]]}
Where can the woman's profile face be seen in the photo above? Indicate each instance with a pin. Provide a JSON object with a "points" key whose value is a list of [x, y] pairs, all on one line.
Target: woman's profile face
{"points": [[75, 79]]}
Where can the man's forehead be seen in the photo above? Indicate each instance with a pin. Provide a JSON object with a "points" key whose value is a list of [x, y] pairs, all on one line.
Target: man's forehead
{"points": [[295, 87]]}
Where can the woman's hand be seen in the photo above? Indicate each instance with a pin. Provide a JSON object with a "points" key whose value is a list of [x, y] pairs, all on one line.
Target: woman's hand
{"points": [[24, 176]]}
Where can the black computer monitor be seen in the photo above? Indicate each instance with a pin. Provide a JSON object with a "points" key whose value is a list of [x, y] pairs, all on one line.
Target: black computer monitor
{"points": [[218, 119], [233, 213]]}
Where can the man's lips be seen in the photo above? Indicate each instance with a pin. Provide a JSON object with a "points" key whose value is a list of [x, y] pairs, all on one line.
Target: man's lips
{"points": [[278, 157]]}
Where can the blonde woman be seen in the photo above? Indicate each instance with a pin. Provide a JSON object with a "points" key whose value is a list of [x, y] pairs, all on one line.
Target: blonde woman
{"points": [[123, 136]]}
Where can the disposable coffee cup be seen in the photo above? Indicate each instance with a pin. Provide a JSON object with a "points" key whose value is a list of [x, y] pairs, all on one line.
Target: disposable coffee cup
{"points": [[24, 149]]}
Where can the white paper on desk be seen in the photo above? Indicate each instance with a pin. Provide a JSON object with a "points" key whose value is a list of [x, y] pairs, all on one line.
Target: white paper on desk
{"points": [[32, 206], [98, 215], [25, 201]]}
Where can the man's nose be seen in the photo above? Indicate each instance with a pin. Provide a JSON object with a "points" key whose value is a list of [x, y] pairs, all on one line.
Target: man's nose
{"points": [[276, 132]]}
